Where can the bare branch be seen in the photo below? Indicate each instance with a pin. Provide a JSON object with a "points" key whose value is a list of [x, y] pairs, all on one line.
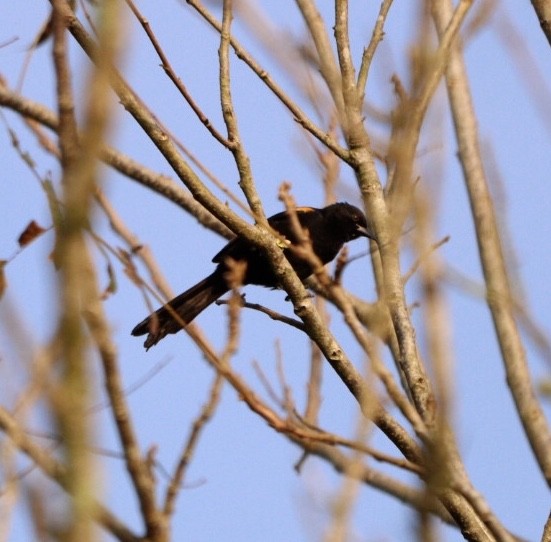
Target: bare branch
{"points": [[297, 112], [369, 51], [498, 289]]}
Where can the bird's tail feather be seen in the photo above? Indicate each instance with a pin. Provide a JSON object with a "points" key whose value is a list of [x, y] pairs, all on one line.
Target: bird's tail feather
{"points": [[187, 306]]}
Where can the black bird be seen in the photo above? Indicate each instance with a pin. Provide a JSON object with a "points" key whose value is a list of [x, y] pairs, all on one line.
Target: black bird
{"points": [[328, 229]]}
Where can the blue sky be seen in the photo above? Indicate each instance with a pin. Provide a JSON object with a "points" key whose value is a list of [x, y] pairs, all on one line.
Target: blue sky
{"points": [[242, 485]]}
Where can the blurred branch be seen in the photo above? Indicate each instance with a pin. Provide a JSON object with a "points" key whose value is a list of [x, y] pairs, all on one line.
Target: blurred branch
{"points": [[543, 12], [382, 328], [70, 394], [136, 463], [376, 479], [143, 252], [534, 330], [498, 290], [79, 287], [387, 234], [56, 472], [546, 537], [529, 73], [388, 217]]}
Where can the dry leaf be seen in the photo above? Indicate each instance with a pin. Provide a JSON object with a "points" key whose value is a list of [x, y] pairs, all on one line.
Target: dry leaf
{"points": [[3, 282], [112, 286], [30, 233]]}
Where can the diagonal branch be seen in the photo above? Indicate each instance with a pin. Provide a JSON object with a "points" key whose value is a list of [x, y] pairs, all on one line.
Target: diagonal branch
{"points": [[124, 164]]}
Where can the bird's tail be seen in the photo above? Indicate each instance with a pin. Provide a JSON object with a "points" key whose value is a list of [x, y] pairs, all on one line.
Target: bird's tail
{"points": [[187, 306]]}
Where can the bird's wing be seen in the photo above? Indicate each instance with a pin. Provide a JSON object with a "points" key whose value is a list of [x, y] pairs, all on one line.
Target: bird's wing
{"points": [[239, 249]]}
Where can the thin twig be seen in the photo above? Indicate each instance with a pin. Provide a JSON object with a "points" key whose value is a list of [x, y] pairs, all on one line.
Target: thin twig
{"points": [[369, 51], [325, 55], [167, 67], [274, 315], [177, 478], [298, 114], [419, 261]]}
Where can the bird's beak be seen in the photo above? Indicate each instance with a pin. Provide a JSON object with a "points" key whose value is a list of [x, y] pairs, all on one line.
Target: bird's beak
{"points": [[364, 232]]}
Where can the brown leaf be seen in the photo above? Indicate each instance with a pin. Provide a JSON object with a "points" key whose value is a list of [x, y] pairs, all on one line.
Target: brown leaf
{"points": [[3, 282], [30, 233], [112, 286]]}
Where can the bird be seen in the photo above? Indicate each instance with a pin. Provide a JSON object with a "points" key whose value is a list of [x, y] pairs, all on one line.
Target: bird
{"points": [[328, 229]]}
